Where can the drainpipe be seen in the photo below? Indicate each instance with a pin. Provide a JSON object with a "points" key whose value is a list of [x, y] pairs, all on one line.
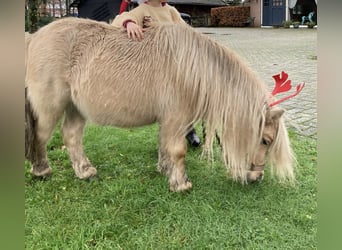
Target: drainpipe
{"points": [[261, 13]]}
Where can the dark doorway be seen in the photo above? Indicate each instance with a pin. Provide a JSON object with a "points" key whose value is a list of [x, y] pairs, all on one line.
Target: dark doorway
{"points": [[303, 8]]}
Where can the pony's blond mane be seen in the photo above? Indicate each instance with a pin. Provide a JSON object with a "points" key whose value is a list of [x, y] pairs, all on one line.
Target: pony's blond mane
{"points": [[229, 96], [281, 155], [182, 67]]}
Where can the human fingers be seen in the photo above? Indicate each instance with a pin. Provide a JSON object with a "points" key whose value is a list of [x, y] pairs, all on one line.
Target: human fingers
{"points": [[139, 34], [134, 31], [130, 34], [135, 34]]}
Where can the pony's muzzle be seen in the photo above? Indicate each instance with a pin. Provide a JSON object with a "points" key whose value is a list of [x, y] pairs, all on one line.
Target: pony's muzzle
{"points": [[256, 173]]}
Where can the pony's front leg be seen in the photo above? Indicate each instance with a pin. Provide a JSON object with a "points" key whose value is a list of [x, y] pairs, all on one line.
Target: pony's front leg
{"points": [[72, 136], [172, 150]]}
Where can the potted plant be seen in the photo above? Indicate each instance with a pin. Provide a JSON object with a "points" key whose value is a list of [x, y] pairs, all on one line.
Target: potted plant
{"points": [[311, 24], [295, 24], [287, 24]]}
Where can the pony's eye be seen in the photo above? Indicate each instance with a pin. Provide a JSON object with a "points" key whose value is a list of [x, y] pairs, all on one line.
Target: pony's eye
{"points": [[265, 142]]}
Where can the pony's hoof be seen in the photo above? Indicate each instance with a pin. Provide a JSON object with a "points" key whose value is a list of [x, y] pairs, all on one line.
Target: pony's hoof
{"points": [[181, 187], [160, 169], [255, 176], [88, 173], [45, 172]]}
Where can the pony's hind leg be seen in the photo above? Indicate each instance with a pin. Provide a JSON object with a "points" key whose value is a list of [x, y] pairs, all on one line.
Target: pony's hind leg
{"points": [[40, 166], [172, 150], [47, 94], [73, 127], [45, 124]]}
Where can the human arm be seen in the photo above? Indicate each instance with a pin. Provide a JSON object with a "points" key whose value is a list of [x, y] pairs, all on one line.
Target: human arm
{"points": [[132, 22], [176, 17]]}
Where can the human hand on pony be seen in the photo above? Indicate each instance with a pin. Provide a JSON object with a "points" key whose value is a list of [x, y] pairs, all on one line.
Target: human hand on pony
{"points": [[134, 31]]}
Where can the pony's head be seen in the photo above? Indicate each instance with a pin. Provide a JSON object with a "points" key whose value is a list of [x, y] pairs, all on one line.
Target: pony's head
{"points": [[269, 146], [256, 135], [274, 143], [273, 146]]}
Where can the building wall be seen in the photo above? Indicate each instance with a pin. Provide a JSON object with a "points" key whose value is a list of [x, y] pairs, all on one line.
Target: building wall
{"points": [[52, 8], [255, 6], [256, 10]]}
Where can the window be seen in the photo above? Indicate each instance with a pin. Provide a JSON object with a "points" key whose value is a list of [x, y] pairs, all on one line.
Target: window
{"points": [[278, 2]]}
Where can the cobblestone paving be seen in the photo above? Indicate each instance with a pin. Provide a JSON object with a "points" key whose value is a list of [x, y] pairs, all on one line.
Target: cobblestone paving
{"points": [[269, 51]]}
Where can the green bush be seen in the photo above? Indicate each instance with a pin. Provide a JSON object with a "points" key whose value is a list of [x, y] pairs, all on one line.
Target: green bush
{"points": [[287, 24], [310, 24], [42, 21]]}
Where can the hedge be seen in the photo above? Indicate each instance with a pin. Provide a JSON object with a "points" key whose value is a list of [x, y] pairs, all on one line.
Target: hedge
{"points": [[230, 16]]}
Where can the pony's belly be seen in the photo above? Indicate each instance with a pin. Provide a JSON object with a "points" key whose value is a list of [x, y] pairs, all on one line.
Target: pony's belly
{"points": [[115, 109], [122, 118], [124, 122]]}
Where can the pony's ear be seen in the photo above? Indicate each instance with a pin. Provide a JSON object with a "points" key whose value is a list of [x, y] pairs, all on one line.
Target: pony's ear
{"points": [[276, 113]]}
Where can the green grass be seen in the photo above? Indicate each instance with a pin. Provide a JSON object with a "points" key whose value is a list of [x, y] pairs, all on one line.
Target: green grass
{"points": [[129, 205]]}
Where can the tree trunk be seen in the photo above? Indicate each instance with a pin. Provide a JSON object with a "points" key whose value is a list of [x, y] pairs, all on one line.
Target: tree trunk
{"points": [[53, 9], [33, 15], [67, 3], [61, 13]]}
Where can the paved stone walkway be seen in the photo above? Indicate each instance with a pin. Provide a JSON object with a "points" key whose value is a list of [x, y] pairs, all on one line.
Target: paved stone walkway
{"points": [[269, 51]]}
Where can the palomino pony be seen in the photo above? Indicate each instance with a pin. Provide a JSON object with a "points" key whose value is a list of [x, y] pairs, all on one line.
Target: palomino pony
{"points": [[89, 70]]}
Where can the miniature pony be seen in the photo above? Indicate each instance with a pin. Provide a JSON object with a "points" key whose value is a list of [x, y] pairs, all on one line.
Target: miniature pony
{"points": [[89, 70]]}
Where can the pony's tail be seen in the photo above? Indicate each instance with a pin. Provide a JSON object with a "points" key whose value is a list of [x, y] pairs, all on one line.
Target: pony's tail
{"points": [[28, 38], [30, 129], [30, 118]]}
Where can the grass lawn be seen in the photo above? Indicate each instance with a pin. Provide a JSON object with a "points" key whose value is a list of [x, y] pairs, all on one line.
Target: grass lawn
{"points": [[129, 205]]}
